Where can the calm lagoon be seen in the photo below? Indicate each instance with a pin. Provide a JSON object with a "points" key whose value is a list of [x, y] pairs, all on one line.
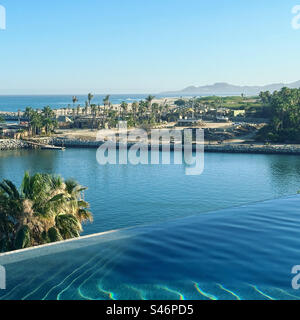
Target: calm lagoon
{"points": [[125, 196]]}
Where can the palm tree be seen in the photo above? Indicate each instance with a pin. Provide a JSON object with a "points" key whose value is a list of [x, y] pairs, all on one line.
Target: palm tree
{"points": [[106, 101], [86, 108], [142, 108], [46, 209], [36, 123], [28, 114], [134, 108], [48, 112], [74, 100], [48, 119], [94, 110], [49, 125], [149, 100], [10, 211], [124, 107], [90, 98]]}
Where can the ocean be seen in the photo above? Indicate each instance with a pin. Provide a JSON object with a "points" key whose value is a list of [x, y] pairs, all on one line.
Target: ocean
{"points": [[20, 102], [13, 103]]}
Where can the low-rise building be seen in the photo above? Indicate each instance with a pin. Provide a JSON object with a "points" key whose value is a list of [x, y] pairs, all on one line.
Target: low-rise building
{"points": [[64, 122], [238, 113], [13, 131]]}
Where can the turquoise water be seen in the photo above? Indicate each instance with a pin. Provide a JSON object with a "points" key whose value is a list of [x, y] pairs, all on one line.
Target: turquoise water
{"points": [[189, 237], [235, 254], [126, 196]]}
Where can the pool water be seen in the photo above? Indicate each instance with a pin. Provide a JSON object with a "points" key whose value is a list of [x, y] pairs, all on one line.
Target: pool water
{"points": [[238, 253]]}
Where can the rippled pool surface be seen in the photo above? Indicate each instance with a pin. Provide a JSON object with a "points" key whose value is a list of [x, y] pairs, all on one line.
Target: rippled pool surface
{"points": [[240, 253]]}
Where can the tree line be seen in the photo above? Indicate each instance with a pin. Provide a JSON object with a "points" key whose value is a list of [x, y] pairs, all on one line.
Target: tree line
{"points": [[284, 106], [37, 121]]}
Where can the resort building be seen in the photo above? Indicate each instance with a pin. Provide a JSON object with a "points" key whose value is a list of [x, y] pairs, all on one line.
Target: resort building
{"points": [[14, 131]]}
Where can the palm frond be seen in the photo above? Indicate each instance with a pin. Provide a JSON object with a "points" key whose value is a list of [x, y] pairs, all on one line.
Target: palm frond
{"points": [[83, 204], [84, 215], [13, 189], [56, 198], [68, 226], [71, 185], [8, 188]]}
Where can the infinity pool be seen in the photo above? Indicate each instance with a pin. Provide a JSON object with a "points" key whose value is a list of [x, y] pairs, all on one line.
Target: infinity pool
{"points": [[239, 253]]}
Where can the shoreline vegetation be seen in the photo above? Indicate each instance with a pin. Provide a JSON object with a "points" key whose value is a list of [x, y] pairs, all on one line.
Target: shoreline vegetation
{"points": [[268, 123], [45, 209]]}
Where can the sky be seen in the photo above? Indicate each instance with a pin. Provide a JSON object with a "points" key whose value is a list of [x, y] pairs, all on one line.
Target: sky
{"points": [[139, 46]]}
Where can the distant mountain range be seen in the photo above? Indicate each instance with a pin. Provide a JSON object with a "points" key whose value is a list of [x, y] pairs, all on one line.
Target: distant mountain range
{"points": [[229, 89]]}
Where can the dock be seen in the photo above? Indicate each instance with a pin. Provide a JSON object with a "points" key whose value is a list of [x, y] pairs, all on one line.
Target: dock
{"points": [[44, 146]]}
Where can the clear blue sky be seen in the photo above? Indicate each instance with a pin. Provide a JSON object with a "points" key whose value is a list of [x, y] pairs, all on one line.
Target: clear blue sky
{"points": [[137, 46]]}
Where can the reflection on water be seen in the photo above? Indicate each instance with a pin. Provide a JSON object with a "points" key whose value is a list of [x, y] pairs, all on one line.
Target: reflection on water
{"points": [[233, 254], [23, 160], [284, 171], [123, 196]]}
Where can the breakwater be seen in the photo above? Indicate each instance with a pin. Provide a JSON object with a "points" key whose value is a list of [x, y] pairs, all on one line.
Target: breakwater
{"points": [[13, 144], [254, 148], [13, 116], [220, 148]]}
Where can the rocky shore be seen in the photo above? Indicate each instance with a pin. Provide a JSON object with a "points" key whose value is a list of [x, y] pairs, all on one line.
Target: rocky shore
{"points": [[254, 148], [75, 143], [12, 144], [220, 148]]}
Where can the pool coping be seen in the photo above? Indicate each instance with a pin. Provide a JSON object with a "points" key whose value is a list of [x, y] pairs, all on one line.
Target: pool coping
{"points": [[96, 238], [50, 248]]}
